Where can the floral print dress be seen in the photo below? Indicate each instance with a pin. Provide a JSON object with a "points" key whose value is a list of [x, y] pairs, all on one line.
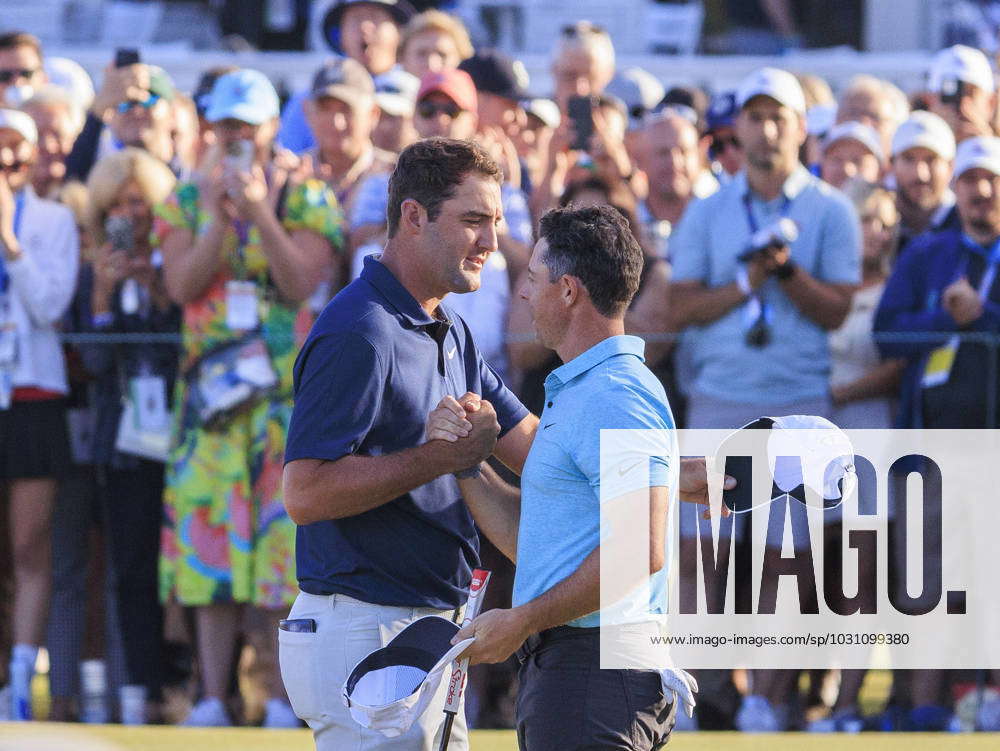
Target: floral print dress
{"points": [[226, 536]]}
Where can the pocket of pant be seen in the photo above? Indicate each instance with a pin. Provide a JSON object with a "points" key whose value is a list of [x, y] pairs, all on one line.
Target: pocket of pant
{"points": [[297, 659]]}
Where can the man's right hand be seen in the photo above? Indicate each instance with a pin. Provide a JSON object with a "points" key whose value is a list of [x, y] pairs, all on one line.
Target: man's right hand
{"points": [[130, 83], [470, 427]]}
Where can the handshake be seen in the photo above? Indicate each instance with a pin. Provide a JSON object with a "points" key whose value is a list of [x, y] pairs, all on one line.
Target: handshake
{"points": [[470, 425]]}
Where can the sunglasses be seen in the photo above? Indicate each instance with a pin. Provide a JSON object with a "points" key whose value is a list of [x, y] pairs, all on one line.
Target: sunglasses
{"points": [[128, 104], [12, 167], [427, 109], [720, 144], [572, 31], [8, 76]]}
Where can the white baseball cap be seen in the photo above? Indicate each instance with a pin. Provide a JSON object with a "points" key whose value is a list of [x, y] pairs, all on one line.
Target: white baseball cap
{"points": [[963, 63], [820, 118], [854, 131], [391, 687], [982, 151], [778, 84], [21, 122], [925, 129], [396, 92], [804, 452]]}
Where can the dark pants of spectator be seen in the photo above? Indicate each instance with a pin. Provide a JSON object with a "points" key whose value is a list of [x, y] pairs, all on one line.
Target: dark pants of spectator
{"points": [[77, 611], [567, 702], [133, 503]]}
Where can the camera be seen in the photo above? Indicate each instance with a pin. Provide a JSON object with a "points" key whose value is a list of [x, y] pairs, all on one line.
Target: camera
{"points": [[779, 234]]}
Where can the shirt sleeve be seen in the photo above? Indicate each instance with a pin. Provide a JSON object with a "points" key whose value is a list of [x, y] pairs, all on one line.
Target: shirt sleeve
{"points": [[509, 409], [689, 246], [840, 254], [312, 206], [44, 277], [633, 460], [338, 394]]}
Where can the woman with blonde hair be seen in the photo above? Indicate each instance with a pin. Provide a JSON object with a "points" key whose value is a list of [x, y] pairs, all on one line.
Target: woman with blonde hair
{"points": [[433, 41], [126, 294]]}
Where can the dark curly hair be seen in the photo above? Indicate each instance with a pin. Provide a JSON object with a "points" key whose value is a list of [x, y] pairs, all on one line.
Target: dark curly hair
{"points": [[596, 246], [430, 170]]}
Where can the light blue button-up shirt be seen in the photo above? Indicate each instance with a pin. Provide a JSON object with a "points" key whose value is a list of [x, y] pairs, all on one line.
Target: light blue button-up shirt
{"points": [[714, 231], [608, 386]]}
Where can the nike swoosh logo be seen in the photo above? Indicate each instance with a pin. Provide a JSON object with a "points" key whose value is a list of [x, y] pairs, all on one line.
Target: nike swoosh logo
{"points": [[548, 426], [451, 352], [622, 471]]}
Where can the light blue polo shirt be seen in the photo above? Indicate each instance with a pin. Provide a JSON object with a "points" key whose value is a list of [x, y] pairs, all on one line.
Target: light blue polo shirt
{"points": [[795, 365], [608, 386]]}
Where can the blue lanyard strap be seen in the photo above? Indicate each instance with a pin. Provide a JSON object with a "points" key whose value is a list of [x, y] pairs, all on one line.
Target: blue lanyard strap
{"points": [[18, 213], [992, 256], [786, 204]]}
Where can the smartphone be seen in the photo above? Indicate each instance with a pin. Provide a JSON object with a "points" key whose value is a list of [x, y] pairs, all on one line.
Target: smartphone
{"points": [[239, 155], [580, 110], [121, 233], [952, 91], [125, 56], [298, 625]]}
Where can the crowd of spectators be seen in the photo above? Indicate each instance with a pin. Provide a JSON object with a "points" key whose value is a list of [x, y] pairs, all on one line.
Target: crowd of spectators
{"points": [[163, 254]]}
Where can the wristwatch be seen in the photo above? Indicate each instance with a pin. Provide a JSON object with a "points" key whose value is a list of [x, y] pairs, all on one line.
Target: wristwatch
{"points": [[468, 474]]}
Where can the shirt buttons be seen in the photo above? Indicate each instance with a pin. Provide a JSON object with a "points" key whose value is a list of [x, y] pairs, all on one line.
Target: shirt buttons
{"points": [[550, 404]]}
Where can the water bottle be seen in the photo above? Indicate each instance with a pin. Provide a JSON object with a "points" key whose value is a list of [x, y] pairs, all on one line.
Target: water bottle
{"points": [[94, 692]]}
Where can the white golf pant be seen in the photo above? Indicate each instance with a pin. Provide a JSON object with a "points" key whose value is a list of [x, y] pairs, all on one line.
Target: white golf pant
{"points": [[314, 667]]}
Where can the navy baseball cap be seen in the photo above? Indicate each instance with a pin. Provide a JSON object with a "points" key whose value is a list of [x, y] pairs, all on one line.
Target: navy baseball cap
{"points": [[495, 73], [401, 11], [722, 111]]}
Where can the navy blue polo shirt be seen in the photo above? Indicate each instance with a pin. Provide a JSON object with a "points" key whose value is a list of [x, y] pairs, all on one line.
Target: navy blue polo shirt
{"points": [[372, 369]]}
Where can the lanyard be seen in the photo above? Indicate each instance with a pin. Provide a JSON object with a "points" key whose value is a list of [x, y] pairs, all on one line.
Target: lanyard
{"points": [[18, 214], [786, 204], [992, 256]]}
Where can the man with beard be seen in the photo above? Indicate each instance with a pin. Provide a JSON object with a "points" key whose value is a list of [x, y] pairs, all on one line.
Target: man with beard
{"points": [[944, 284], [923, 150], [758, 323]]}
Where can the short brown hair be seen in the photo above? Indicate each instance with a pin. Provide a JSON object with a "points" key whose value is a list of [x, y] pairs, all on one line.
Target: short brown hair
{"points": [[595, 245], [430, 170], [14, 39]]}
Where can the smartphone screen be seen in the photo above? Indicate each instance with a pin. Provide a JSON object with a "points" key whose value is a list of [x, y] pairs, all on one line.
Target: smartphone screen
{"points": [[239, 155], [952, 91], [120, 233], [580, 109], [125, 56]]}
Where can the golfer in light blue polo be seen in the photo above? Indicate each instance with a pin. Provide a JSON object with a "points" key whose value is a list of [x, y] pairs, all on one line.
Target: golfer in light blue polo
{"points": [[582, 276]]}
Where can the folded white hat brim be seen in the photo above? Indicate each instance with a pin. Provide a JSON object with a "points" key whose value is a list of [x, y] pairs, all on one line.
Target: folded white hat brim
{"points": [[393, 686]]}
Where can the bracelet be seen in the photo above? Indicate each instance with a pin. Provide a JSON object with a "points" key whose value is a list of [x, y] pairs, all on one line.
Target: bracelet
{"points": [[468, 474], [785, 270], [743, 281]]}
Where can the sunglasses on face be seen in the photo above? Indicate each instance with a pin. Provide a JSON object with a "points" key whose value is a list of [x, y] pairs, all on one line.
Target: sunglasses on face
{"points": [[128, 104], [721, 143], [427, 109], [9, 76]]}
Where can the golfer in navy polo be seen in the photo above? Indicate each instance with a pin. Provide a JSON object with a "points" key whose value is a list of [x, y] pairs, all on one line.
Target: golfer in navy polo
{"points": [[383, 536]]}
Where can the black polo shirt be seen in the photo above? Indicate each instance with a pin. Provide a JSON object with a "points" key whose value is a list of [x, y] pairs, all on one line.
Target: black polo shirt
{"points": [[372, 369]]}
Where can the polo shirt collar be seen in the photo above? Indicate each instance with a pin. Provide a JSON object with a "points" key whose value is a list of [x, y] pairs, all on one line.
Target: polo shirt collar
{"points": [[794, 184], [378, 275], [622, 344]]}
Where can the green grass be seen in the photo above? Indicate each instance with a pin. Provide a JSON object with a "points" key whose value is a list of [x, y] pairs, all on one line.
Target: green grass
{"points": [[52, 737]]}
